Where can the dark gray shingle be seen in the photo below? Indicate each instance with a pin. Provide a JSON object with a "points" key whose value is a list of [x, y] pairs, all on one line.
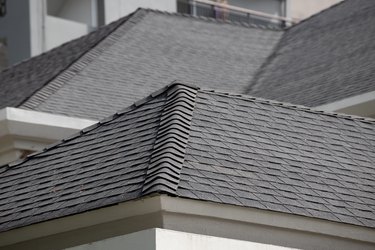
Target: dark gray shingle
{"points": [[136, 56], [208, 146], [325, 58], [21, 81]]}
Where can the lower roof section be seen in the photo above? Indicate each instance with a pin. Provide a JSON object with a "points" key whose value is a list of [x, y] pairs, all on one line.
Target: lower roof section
{"points": [[192, 216]]}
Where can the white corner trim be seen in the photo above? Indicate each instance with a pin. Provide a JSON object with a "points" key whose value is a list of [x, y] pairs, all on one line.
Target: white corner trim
{"points": [[20, 122], [29, 131], [348, 102]]}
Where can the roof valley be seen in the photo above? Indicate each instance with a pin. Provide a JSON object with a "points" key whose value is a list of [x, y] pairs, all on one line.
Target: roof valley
{"points": [[83, 61], [163, 173]]}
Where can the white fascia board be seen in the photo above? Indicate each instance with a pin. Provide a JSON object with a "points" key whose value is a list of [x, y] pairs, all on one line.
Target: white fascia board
{"points": [[173, 205], [166, 208], [349, 103], [39, 125]]}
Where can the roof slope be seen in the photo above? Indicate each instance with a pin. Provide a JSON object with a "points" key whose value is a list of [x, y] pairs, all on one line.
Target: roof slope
{"points": [[22, 80], [326, 58], [203, 145], [134, 57]]}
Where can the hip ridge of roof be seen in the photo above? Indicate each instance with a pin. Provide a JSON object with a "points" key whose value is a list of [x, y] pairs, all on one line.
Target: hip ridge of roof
{"points": [[163, 173]]}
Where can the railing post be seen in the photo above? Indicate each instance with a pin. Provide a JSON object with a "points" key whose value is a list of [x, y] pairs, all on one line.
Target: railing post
{"points": [[193, 6]]}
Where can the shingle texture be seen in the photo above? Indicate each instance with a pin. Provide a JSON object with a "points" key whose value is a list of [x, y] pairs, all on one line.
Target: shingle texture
{"points": [[203, 145], [135, 59], [21, 81], [103, 166], [326, 58]]}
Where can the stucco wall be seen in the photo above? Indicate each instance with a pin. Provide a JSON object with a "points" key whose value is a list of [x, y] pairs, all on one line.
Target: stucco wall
{"points": [[162, 239]]}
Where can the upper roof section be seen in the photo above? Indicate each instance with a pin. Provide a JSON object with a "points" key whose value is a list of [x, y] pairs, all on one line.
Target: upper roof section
{"points": [[202, 145], [117, 64], [326, 58], [22, 80]]}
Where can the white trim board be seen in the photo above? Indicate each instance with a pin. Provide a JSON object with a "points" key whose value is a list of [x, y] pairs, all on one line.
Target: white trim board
{"points": [[191, 216], [361, 105], [32, 130]]}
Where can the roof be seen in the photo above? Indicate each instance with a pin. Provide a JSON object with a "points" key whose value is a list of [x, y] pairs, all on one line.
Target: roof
{"points": [[21, 81], [127, 60], [205, 145], [323, 59], [326, 58]]}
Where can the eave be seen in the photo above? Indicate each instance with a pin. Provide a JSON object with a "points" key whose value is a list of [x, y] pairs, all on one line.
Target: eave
{"points": [[193, 216]]}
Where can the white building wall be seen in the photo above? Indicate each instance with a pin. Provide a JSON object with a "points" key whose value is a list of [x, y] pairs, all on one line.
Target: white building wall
{"points": [[273, 7], [80, 11], [302, 9], [59, 30], [163, 239], [115, 9]]}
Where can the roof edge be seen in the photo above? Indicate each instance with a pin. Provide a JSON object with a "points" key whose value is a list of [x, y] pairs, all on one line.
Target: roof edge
{"points": [[66, 74], [313, 110], [163, 173], [186, 211], [97, 124]]}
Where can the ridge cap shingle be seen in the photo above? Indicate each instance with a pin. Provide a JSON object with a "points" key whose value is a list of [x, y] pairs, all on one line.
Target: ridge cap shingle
{"points": [[105, 120], [163, 173], [291, 106]]}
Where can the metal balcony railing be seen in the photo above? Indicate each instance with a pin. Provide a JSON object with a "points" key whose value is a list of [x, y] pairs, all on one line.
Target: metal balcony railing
{"points": [[224, 12]]}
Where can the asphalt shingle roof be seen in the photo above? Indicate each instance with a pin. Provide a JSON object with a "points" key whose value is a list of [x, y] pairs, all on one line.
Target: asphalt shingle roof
{"points": [[326, 58], [21, 81], [94, 76], [203, 145]]}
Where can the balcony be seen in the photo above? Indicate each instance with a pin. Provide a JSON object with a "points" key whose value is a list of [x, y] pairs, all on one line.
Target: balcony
{"points": [[232, 13]]}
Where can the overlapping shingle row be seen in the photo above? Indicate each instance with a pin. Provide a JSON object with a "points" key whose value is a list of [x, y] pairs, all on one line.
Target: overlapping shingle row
{"points": [[127, 60], [212, 146], [326, 58], [260, 154]]}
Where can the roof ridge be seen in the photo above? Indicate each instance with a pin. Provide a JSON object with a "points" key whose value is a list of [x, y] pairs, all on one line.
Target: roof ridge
{"points": [[316, 14], [56, 82], [167, 157], [214, 20], [95, 125], [291, 106]]}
